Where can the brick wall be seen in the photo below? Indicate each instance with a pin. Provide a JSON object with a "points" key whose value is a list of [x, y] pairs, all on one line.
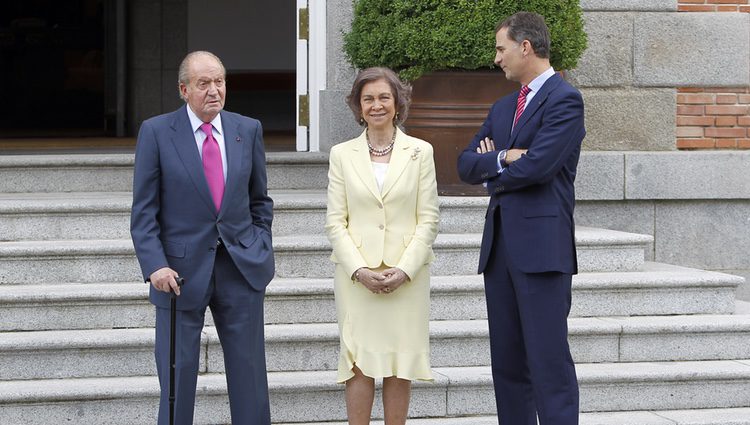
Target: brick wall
{"points": [[713, 118], [713, 6]]}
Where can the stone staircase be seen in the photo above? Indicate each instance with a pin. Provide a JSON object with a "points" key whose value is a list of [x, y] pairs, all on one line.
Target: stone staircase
{"points": [[654, 343]]}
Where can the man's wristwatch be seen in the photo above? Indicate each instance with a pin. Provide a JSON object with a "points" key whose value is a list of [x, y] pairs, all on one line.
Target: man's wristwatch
{"points": [[501, 157]]}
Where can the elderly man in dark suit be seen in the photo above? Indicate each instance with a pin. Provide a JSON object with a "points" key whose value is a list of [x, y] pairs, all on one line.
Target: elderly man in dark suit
{"points": [[526, 154], [201, 211]]}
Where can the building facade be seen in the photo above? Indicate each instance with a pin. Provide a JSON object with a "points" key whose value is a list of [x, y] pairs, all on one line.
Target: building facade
{"points": [[666, 85]]}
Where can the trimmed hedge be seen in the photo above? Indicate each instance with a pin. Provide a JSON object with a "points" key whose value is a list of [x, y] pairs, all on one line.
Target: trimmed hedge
{"points": [[415, 37]]}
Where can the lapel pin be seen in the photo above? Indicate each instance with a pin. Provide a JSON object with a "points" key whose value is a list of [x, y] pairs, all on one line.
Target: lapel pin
{"points": [[415, 154], [238, 139]]}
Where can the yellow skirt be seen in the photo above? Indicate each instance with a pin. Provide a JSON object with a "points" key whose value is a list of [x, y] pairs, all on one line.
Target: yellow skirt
{"points": [[384, 335]]}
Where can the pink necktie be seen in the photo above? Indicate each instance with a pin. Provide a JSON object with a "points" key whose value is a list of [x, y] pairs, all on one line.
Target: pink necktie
{"points": [[521, 103], [212, 165]]}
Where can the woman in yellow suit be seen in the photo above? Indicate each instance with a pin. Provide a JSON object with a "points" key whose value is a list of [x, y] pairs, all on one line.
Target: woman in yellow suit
{"points": [[382, 220]]}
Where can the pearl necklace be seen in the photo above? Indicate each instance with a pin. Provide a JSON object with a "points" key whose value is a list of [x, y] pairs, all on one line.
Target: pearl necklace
{"points": [[380, 152]]}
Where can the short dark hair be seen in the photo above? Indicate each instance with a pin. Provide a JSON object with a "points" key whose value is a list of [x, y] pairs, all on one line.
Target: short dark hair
{"points": [[401, 92], [528, 26]]}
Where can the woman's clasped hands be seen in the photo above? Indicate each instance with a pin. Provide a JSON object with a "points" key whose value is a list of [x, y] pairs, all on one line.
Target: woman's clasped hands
{"points": [[384, 282]]}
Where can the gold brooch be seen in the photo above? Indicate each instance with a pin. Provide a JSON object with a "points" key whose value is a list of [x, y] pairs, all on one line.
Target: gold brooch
{"points": [[415, 154]]}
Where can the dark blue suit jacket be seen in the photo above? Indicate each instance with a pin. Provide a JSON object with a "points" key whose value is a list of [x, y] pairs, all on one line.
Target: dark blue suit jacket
{"points": [[535, 194], [174, 221]]}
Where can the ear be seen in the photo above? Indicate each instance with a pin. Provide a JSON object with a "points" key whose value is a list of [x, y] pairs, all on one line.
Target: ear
{"points": [[526, 47], [183, 90]]}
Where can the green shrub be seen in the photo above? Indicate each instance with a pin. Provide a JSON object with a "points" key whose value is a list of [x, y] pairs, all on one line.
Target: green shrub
{"points": [[415, 37]]}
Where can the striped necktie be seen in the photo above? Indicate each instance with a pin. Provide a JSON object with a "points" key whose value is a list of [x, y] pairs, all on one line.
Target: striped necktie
{"points": [[521, 103]]}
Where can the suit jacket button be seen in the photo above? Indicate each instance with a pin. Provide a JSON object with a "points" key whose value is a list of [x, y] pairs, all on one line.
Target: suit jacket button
{"points": [[381, 227], [380, 205]]}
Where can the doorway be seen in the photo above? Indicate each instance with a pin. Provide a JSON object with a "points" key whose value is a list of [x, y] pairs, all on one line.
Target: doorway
{"points": [[256, 40], [52, 56]]}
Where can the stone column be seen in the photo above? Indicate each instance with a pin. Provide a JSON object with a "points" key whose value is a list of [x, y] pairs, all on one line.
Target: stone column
{"points": [[337, 124]]}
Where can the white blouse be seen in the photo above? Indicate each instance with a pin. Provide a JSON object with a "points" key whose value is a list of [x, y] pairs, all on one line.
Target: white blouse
{"points": [[379, 168]]}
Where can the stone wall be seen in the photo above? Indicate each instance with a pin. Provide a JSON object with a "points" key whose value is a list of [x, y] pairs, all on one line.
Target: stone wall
{"points": [[695, 204], [639, 54], [337, 124], [714, 117], [650, 72]]}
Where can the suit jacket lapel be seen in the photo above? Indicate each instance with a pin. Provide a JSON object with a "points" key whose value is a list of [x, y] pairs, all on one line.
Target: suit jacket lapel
{"points": [[400, 158], [183, 140], [233, 144], [363, 167], [507, 113], [535, 104]]}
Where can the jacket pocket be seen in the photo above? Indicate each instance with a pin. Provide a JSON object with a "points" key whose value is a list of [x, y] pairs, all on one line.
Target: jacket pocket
{"points": [[174, 249], [248, 237], [532, 211]]}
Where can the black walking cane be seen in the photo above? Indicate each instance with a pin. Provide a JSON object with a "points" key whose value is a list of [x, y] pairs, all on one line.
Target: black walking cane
{"points": [[173, 315]]}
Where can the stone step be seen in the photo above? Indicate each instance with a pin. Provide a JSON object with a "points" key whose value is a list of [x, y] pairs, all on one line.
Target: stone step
{"points": [[314, 396], [129, 352], [75, 306], [28, 262], [303, 212], [66, 173], [50, 216], [621, 386], [457, 254], [297, 170], [61, 261], [106, 215], [114, 172], [735, 416], [657, 290], [466, 343]]}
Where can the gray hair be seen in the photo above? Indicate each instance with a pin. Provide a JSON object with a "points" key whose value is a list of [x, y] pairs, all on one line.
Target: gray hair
{"points": [[183, 75], [528, 26]]}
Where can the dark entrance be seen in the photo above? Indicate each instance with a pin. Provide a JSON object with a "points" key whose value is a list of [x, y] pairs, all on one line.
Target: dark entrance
{"points": [[83, 74], [256, 41], [52, 56]]}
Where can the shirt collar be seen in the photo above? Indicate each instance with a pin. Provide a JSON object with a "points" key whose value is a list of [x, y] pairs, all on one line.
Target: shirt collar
{"points": [[536, 84], [195, 122]]}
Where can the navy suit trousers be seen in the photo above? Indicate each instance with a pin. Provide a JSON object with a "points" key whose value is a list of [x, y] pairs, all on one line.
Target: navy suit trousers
{"points": [[532, 369], [237, 311]]}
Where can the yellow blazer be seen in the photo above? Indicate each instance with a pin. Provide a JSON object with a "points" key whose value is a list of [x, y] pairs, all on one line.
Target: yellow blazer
{"points": [[395, 227]]}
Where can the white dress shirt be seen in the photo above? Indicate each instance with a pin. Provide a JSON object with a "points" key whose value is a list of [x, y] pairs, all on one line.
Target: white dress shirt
{"points": [[379, 168]]}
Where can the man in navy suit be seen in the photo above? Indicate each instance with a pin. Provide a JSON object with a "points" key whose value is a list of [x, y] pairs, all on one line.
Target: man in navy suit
{"points": [[526, 154], [201, 211]]}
